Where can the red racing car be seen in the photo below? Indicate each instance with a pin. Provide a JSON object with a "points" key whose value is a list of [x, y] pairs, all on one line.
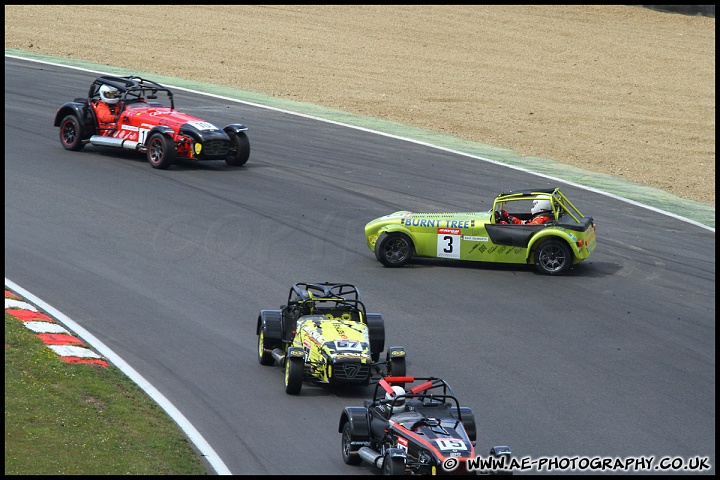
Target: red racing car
{"points": [[146, 124]]}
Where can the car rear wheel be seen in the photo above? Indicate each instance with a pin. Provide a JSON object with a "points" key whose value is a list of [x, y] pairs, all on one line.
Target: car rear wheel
{"points": [[293, 375], [397, 367], [161, 151], [264, 357], [376, 332], [393, 465], [71, 133], [553, 257], [393, 249], [239, 149], [348, 448]]}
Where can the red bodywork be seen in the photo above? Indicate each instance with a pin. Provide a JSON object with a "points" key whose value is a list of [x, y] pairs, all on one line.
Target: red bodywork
{"points": [[137, 119], [147, 125]]}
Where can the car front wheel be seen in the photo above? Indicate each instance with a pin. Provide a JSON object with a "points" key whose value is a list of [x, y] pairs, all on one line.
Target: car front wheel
{"points": [[393, 465], [239, 149], [71, 133], [264, 357], [553, 257], [161, 151], [293, 375], [348, 448], [393, 249]]}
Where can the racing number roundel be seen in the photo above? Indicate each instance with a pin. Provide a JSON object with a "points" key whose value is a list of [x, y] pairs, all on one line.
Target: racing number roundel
{"points": [[448, 243], [450, 444]]}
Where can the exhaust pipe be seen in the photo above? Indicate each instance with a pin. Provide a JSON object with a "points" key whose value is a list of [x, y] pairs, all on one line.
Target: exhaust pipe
{"points": [[371, 456], [279, 356], [101, 141]]}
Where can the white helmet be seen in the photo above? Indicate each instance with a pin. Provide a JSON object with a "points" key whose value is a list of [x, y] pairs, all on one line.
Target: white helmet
{"points": [[397, 405], [541, 206], [109, 94]]}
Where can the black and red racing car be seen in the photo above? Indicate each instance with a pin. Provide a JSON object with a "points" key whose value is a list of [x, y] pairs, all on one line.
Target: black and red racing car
{"points": [[415, 426], [147, 122]]}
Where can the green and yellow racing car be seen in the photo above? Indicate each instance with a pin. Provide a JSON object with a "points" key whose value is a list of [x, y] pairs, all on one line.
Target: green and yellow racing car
{"points": [[531, 227]]}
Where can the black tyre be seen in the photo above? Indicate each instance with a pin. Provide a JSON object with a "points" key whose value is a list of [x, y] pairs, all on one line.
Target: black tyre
{"points": [[553, 257], [468, 421], [393, 466], [397, 367], [498, 456], [265, 358], [348, 448], [239, 149], [394, 249], [293, 375], [376, 332], [71, 133], [161, 151]]}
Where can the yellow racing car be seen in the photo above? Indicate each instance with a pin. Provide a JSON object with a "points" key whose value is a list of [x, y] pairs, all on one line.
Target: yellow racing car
{"points": [[324, 335]]}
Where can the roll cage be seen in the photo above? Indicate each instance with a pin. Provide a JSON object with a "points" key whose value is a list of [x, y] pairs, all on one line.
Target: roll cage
{"points": [[132, 89], [327, 296], [560, 204], [432, 392]]}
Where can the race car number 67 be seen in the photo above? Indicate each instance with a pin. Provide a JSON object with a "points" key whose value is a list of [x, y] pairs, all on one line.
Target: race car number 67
{"points": [[348, 345]]}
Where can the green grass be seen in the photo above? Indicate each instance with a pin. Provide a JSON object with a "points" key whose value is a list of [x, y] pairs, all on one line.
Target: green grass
{"points": [[79, 419]]}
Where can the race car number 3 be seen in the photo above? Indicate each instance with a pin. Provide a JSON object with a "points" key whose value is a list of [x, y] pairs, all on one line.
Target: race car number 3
{"points": [[448, 243]]}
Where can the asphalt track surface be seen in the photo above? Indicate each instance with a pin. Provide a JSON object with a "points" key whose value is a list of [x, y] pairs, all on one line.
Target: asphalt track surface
{"points": [[169, 269]]}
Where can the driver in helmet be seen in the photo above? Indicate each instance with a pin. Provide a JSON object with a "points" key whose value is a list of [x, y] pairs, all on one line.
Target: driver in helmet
{"points": [[396, 404], [109, 107], [399, 411], [541, 211]]}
